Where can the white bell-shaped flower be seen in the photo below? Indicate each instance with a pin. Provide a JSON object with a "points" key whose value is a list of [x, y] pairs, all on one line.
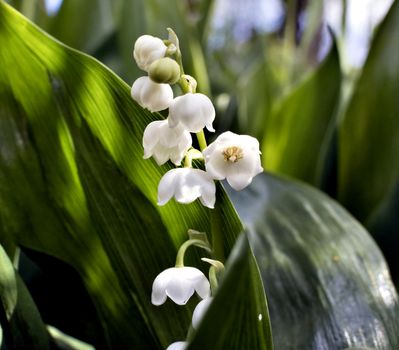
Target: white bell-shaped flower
{"points": [[178, 345], [200, 311], [192, 111], [155, 97], [186, 185], [164, 143], [233, 157], [147, 49], [179, 284]]}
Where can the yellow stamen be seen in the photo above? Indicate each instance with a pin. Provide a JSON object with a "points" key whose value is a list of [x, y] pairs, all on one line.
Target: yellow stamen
{"points": [[233, 154]]}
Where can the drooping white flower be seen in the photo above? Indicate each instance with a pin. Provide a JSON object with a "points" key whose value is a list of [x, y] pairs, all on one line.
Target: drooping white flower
{"points": [[200, 311], [178, 345], [147, 49], [164, 143], [179, 284], [186, 185], [192, 111], [233, 157], [155, 97]]}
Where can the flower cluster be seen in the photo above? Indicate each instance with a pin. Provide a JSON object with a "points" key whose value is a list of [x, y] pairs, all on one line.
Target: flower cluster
{"points": [[233, 157]]}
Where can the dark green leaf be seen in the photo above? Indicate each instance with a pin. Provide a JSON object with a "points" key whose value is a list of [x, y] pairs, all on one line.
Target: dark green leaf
{"points": [[327, 283], [66, 342], [19, 315], [369, 133], [296, 128]]}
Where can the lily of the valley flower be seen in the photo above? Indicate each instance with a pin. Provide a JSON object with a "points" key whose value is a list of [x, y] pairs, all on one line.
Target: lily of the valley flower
{"points": [[147, 49], [179, 284], [164, 143], [192, 111], [235, 158], [178, 345], [155, 97], [200, 311], [186, 185]]}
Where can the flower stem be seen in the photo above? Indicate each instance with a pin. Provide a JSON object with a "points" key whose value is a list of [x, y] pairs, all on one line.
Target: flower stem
{"points": [[215, 271], [182, 250], [217, 233], [201, 140]]}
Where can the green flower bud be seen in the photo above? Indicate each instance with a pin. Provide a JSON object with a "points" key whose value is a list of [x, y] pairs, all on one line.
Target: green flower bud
{"points": [[164, 70]]}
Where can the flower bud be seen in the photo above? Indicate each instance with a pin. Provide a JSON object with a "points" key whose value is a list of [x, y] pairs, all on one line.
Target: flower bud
{"points": [[164, 70], [155, 97], [147, 49]]}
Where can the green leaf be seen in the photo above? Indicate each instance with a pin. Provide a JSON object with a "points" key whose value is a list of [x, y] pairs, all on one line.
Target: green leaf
{"points": [[368, 146], [19, 315], [73, 176], [66, 342], [256, 91], [297, 126], [231, 322], [327, 284]]}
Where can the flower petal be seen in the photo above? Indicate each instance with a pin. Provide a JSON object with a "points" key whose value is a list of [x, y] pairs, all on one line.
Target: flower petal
{"points": [[147, 49], [239, 181], [158, 295], [151, 133], [166, 187], [155, 97], [178, 345], [180, 290], [160, 154], [192, 111], [200, 311]]}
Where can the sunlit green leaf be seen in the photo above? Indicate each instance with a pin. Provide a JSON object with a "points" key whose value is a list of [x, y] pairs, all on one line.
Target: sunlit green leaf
{"points": [[368, 146], [327, 284]]}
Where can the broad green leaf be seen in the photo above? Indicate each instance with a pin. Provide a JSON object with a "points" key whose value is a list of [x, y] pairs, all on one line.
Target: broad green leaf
{"points": [[221, 328], [297, 126], [368, 145], [383, 225], [72, 175], [327, 284], [19, 315], [255, 98]]}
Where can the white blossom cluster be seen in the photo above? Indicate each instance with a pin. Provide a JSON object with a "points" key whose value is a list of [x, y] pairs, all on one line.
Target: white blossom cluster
{"points": [[231, 156]]}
